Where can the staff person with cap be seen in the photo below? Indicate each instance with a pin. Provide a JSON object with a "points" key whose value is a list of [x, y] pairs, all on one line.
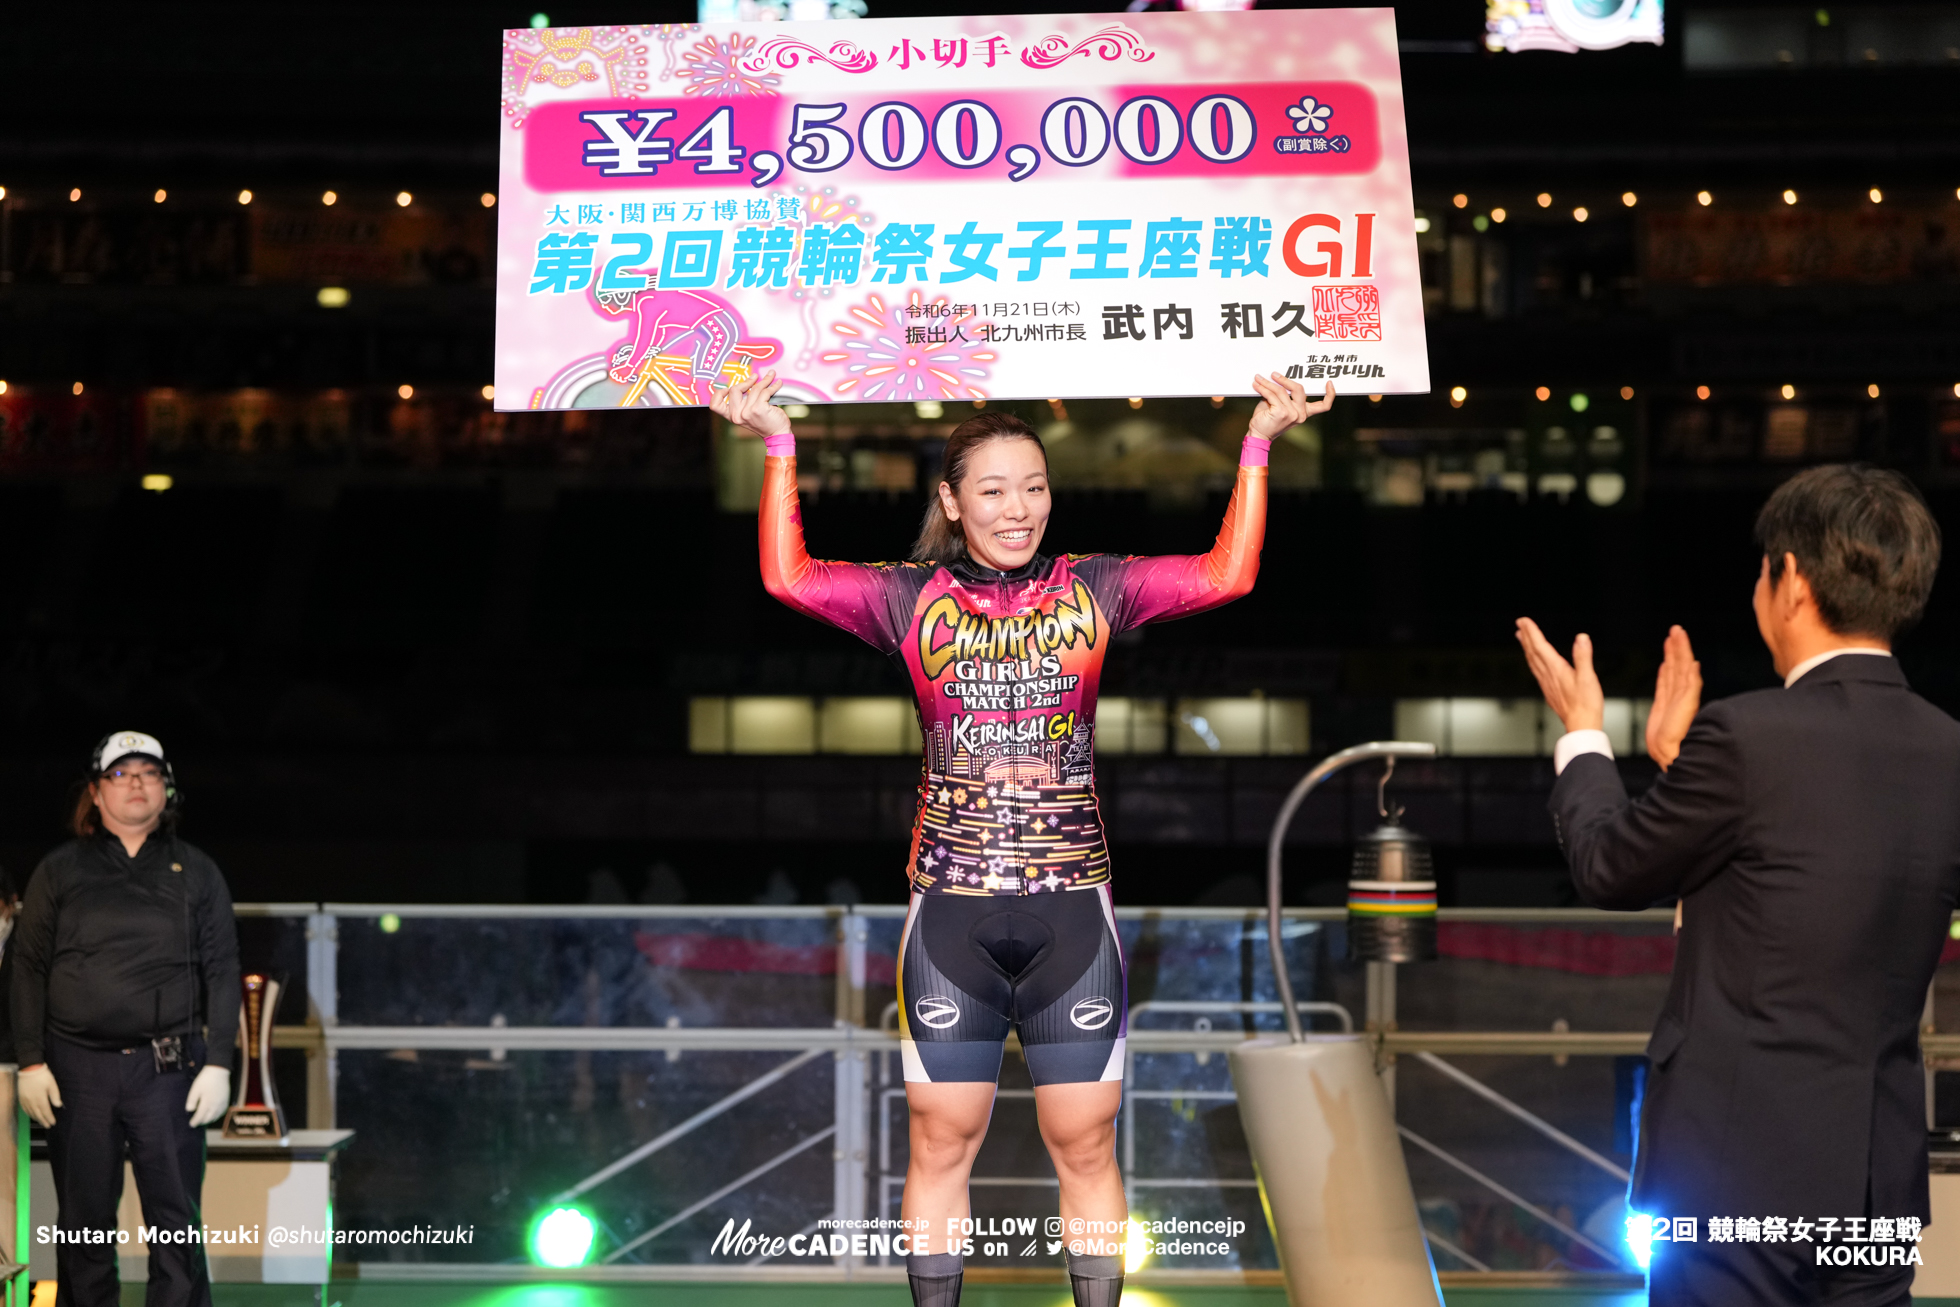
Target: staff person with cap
{"points": [[127, 948]]}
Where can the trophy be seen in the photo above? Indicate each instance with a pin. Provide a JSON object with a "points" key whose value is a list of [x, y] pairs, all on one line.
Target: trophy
{"points": [[254, 1111]]}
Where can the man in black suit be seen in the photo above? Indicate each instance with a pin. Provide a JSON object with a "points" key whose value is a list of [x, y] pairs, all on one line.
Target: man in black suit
{"points": [[1811, 835]]}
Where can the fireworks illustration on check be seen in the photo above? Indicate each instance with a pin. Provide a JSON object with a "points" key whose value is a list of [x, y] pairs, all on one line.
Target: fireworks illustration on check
{"points": [[819, 204], [667, 34], [714, 70], [872, 350]]}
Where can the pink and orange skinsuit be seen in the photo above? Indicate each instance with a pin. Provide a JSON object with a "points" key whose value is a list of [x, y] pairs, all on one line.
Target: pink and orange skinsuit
{"points": [[1004, 667]]}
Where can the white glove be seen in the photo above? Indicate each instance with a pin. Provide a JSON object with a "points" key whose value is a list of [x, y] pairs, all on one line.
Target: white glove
{"points": [[38, 1093], [210, 1095]]}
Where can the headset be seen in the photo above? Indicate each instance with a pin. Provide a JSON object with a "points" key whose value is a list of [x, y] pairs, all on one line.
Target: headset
{"points": [[173, 798]]}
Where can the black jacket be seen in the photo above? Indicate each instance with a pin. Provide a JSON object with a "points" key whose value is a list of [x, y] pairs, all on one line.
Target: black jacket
{"points": [[112, 951], [1814, 835]]}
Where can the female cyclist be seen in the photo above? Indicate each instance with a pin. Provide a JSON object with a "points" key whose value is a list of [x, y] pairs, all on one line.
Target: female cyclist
{"points": [[1010, 922]]}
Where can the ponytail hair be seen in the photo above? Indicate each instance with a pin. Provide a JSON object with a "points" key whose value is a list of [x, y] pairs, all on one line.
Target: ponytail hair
{"points": [[940, 538]]}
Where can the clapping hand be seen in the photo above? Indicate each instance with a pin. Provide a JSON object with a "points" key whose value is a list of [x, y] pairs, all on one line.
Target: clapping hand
{"points": [[1284, 404], [1572, 689], [1677, 697], [746, 405]]}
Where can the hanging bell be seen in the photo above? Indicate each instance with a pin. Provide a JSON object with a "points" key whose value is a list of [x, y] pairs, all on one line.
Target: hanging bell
{"points": [[1392, 896]]}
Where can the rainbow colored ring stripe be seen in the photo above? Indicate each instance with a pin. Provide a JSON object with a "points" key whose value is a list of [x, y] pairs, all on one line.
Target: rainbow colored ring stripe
{"points": [[1390, 898]]}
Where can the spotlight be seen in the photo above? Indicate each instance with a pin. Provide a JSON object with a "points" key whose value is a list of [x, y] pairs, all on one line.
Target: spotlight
{"points": [[488, 199], [406, 392], [1626, 392], [1629, 199], [1217, 401], [1789, 392], [75, 195], [244, 197], [1579, 214], [1480, 223], [539, 20], [161, 195], [1544, 199], [1374, 399], [1581, 402], [330, 199], [1136, 401], [929, 410], [1460, 200], [332, 297], [158, 482], [1543, 392], [1789, 197], [1878, 196], [3, 387], [1704, 199], [1701, 392], [1457, 395], [404, 199], [1872, 390], [1498, 215], [3, 192], [75, 389], [562, 1237], [1422, 224], [1640, 1237], [489, 392]]}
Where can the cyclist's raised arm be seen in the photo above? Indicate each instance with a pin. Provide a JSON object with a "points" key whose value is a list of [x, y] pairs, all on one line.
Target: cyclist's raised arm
{"points": [[1177, 585], [856, 597]]}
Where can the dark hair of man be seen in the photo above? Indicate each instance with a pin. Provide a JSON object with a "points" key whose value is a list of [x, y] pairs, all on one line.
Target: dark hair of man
{"points": [[940, 538], [1864, 541]]}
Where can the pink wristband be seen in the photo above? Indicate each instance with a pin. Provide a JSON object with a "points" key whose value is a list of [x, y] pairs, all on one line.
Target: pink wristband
{"points": [[1253, 452], [780, 445]]}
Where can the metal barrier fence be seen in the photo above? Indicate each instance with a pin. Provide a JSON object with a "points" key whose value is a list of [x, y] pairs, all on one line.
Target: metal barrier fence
{"points": [[1172, 1071]]}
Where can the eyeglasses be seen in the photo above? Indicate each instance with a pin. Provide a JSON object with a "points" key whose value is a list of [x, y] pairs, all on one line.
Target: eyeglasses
{"points": [[128, 775]]}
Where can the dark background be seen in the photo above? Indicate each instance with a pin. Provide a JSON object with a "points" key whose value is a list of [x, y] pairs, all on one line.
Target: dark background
{"points": [[446, 659]]}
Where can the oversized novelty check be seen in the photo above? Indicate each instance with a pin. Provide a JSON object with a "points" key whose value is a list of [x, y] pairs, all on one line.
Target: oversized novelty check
{"points": [[955, 209]]}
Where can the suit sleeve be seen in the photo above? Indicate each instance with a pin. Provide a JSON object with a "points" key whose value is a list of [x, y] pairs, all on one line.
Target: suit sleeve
{"points": [[1178, 585], [1626, 855], [32, 945], [217, 950], [854, 597]]}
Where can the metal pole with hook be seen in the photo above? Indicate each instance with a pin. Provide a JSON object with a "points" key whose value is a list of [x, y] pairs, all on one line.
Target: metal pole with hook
{"points": [[1389, 749]]}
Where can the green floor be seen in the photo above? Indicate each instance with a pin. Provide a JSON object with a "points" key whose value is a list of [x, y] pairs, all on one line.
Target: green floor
{"points": [[354, 1293], [351, 1293]]}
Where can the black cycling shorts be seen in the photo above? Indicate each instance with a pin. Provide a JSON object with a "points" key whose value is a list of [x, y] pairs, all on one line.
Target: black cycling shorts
{"points": [[970, 967]]}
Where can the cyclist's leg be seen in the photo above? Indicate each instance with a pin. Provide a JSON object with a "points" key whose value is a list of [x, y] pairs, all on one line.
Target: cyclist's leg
{"points": [[948, 1124], [1073, 1020], [1078, 1124], [951, 1031]]}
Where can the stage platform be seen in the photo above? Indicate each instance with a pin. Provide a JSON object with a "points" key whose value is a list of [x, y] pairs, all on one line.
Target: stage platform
{"points": [[355, 1293]]}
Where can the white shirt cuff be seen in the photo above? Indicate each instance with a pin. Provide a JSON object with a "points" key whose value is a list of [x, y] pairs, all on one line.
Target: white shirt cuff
{"points": [[1573, 743]]}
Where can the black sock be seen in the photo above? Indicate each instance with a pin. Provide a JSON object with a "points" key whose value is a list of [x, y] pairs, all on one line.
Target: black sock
{"points": [[935, 1279], [1097, 1281]]}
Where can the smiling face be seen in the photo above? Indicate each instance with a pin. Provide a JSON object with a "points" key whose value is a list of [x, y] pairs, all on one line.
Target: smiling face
{"points": [[1002, 503]]}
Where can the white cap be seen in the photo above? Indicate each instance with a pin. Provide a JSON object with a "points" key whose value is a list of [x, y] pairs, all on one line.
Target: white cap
{"points": [[122, 744]]}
